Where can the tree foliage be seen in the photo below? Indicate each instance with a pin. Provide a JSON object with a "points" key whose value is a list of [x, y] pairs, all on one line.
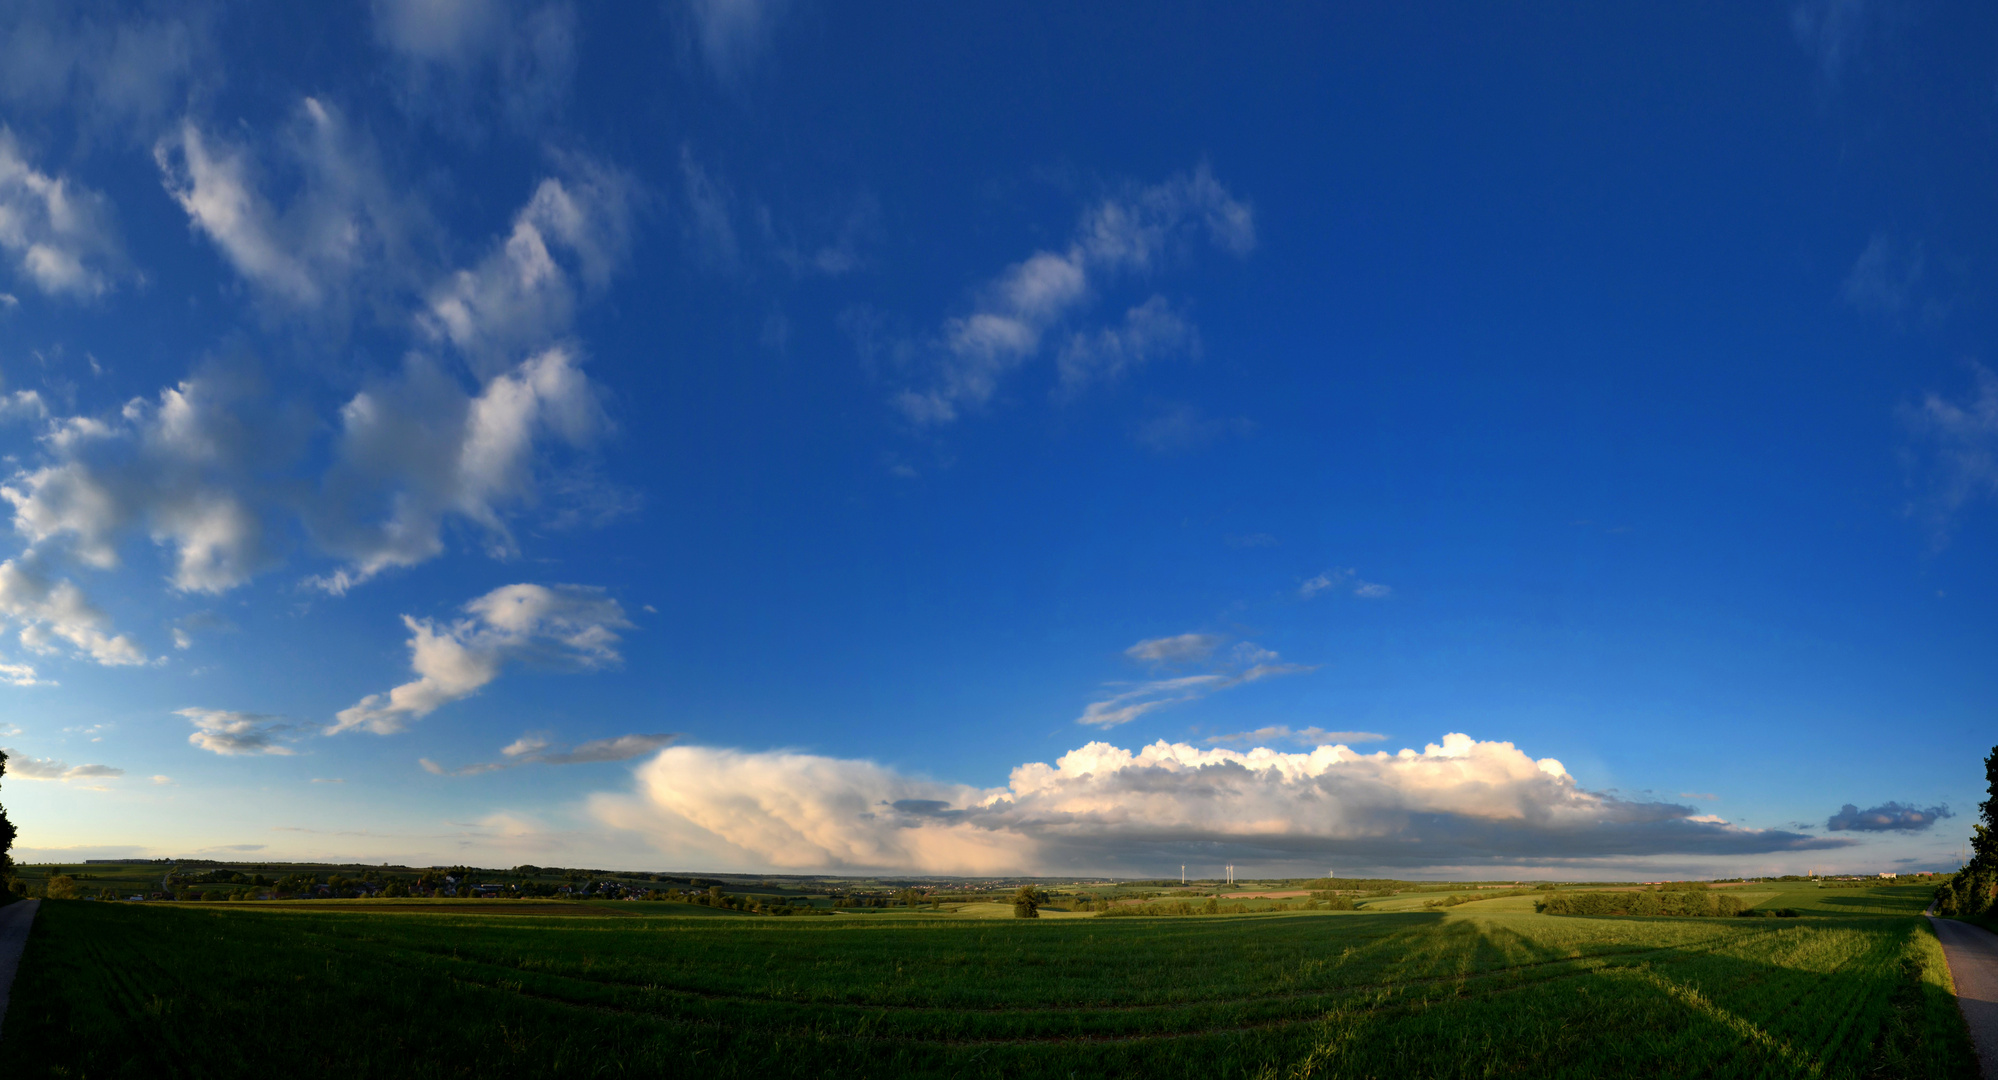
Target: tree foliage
{"points": [[1027, 902], [1971, 891], [6, 838]]}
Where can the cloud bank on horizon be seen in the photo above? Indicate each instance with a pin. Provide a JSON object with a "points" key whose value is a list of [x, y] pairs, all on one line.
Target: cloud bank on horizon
{"points": [[1100, 808]]}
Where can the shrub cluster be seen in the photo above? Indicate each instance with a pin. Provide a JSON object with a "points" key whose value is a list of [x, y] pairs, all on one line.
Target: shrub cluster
{"points": [[1687, 902]]}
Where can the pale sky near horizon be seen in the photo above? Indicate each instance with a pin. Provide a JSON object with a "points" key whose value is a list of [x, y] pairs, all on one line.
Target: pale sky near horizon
{"points": [[779, 435]]}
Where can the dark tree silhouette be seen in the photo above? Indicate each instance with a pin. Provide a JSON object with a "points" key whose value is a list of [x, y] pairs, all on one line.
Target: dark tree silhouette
{"points": [[6, 839]]}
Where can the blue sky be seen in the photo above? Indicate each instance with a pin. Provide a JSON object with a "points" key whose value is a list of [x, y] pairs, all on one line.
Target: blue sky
{"points": [[749, 434]]}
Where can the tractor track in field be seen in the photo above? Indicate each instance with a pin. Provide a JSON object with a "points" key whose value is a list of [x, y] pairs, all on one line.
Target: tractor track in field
{"points": [[1095, 1038], [511, 987], [704, 993]]}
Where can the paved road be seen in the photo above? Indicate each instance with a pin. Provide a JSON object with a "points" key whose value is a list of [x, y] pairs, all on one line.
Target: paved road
{"points": [[1973, 965], [15, 919]]}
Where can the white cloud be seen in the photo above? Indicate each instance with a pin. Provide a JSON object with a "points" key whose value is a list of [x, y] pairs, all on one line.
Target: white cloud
{"points": [[520, 296], [457, 55], [418, 451], [1177, 649], [205, 470], [1344, 580], [537, 750], [58, 234], [1965, 435], [222, 731], [732, 34], [1136, 233], [22, 406], [346, 232], [97, 61], [563, 626], [1101, 808], [30, 768], [208, 468], [1149, 331], [1885, 277], [1247, 663], [52, 612], [19, 675], [180, 468]]}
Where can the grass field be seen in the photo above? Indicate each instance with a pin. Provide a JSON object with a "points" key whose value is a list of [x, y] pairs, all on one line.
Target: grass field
{"points": [[1856, 988]]}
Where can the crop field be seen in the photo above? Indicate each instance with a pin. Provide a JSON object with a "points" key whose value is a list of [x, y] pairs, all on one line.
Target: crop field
{"points": [[1854, 988]]}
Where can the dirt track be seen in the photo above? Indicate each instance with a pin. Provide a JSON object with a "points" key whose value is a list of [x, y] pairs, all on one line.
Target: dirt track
{"points": [[1973, 966]]}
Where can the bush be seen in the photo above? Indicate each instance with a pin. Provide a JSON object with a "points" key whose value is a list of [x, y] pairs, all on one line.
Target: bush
{"points": [[1701, 904], [62, 887]]}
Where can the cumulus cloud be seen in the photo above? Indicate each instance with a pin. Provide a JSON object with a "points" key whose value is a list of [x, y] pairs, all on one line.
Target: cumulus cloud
{"points": [[222, 731], [181, 468], [454, 56], [58, 234], [1246, 663], [1101, 808], [209, 469], [1344, 580], [22, 406], [420, 450], [522, 294], [1312, 736], [51, 614], [1133, 234], [1887, 817], [534, 749], [346, 232], [572, 627], [32, 768]]}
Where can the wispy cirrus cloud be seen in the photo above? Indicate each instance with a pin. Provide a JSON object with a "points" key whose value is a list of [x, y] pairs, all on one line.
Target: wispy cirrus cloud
{"points": [[1247, 662], [571, 627], [1343, 580], [453, 56], [732, 35], [1015, 315], [1963, 435]]}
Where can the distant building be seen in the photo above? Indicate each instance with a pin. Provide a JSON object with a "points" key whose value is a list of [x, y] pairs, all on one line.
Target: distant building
{"points": [[1887, 874]]}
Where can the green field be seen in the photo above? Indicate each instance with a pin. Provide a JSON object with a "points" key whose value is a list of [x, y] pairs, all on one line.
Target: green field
{"points": [[1856, 987]]}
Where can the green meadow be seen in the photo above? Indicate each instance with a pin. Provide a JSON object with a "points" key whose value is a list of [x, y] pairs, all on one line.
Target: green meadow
{"points": [[1854, 986]]}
